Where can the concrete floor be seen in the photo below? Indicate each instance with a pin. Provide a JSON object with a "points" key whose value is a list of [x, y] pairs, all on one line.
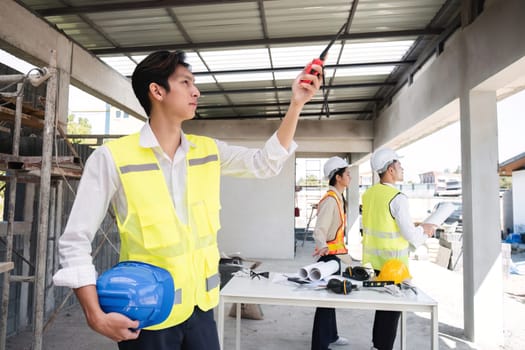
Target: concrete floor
{"points": [[290, 327]]}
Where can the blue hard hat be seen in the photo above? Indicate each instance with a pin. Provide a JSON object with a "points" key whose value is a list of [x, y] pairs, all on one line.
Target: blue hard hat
{"points": [[138, 290]]}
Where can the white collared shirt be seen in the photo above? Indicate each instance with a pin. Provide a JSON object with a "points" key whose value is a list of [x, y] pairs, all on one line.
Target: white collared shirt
{"points": [[100, 185]]}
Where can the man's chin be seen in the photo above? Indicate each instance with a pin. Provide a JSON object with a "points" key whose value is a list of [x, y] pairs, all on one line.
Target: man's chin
{"points": [[190, 117]]}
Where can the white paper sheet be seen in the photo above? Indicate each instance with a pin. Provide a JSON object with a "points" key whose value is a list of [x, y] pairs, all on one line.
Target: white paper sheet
{"points": [[440, 214]]}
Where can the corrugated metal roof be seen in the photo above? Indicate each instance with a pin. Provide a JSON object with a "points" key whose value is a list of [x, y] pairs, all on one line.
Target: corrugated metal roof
{"points": [[245, 53]]}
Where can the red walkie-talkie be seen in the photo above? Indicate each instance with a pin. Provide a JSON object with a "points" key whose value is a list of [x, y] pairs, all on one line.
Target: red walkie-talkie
{"points": [[320, 61]]}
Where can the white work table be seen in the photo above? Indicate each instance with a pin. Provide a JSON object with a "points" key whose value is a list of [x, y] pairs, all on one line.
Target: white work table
{"points": [[254, 291]]}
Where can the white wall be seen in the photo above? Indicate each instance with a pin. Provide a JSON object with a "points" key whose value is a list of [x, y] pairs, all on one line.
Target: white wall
{"points": [[257, 216], [518, 195]]}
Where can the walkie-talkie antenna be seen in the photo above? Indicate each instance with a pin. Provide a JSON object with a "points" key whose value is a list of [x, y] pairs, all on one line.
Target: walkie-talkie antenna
{"points": [[320, 61], [323, 54]]}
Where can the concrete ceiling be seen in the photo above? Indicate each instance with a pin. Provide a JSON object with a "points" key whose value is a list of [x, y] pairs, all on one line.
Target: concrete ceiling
{"points": [[265, 43]]}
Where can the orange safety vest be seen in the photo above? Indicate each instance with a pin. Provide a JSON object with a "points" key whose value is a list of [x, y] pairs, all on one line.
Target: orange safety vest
{"points": [[337, 245]]}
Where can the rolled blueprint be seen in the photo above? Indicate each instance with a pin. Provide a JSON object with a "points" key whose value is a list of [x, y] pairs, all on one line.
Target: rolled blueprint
{"points": [[440, 214], [324, 270], [304, 272]]}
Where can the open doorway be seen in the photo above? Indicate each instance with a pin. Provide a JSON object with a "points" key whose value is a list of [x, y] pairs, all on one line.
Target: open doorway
{"points": [[309, 188]]}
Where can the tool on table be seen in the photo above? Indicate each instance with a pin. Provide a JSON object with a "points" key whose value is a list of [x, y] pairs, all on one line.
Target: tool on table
{"points": [[358, 273], [298, 280], [340, 286], [254, 274], [374, 284]]}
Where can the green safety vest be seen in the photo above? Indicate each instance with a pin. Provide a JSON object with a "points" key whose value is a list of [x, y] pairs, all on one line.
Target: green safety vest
{"points": [[382, 239], [152, 232]]}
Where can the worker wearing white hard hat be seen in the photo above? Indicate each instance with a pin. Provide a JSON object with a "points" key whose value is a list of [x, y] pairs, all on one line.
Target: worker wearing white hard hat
{"points": [[388, 232], [382, 158], [332, 165], [329, 235]]}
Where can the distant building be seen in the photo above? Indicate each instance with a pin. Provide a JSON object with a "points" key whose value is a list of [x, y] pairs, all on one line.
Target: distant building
{"points": [[106, 119], [445, 184], [513, 204], [431, 177]]}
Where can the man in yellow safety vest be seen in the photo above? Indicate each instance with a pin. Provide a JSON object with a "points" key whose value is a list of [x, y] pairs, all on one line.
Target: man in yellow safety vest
{"points": [[164, 186], [388, 233]]}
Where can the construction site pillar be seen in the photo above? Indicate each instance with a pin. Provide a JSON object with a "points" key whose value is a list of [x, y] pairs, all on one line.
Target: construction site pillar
{"points": [[482, 265]]}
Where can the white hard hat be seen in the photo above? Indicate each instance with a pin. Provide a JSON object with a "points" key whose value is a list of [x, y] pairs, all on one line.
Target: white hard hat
{"points": [[382, 158], [332, 165]]}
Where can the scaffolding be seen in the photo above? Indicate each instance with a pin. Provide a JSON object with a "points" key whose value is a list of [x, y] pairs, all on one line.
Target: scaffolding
{"points": [[35, 169], [312, 190]]}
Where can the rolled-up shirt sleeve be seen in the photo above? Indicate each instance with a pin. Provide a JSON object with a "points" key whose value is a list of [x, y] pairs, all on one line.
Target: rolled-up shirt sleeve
{"points": [[94, 194], [261, 163]]}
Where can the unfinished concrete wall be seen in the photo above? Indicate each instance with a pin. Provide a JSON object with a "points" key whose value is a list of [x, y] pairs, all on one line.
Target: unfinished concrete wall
{"points": [[257, 216]]}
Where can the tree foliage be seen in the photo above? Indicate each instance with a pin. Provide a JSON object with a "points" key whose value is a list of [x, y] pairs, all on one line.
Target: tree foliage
{"points": [[78, 127]]}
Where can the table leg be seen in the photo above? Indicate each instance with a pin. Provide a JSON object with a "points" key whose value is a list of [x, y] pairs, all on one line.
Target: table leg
{"points": [[435, 328], [220, 323], [238, 328], [403, 330]]}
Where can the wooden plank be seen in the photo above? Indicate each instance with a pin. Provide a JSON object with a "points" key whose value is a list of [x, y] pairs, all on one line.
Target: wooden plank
{"points": [[6, 266], [8, 114], [31, 165], [19, 228]]}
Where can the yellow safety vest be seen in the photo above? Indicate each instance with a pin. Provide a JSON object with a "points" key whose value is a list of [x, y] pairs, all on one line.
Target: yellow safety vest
{"points": [[152, 232], [382, 239], [337, 245]]}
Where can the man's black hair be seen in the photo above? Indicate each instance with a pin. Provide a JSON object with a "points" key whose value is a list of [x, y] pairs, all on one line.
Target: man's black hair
{"points": [[155, 68]]}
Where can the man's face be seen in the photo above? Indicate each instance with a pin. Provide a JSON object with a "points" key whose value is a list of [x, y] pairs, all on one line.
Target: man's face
{"points": [[397, 170], [182, 98]]}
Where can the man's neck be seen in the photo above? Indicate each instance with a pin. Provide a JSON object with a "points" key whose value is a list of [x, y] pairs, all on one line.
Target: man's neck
{"points": [[168, 134]]}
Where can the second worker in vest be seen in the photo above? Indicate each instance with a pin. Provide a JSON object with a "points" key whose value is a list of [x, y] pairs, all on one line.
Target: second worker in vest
{"points": [[329, 234], [388, 232], [164, 186]]}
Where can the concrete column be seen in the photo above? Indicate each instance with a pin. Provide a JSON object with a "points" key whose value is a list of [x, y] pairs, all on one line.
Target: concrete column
{"points": [[482, 269], [353, 236], [64, 61]]}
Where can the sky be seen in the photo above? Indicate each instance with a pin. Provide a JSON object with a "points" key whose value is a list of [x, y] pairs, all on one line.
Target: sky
{"points": [[443, 145]]}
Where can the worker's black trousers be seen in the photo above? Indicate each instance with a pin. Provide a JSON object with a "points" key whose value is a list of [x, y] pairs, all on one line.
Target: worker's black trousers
{"points": [[385, 329], [199, 332], [324, 331]]}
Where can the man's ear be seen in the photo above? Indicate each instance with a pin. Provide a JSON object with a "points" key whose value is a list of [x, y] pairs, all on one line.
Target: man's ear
{"points": [[156, 91]]}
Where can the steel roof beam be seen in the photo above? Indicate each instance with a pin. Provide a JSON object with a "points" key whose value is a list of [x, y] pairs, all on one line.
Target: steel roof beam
{"points": [[299, 68], [286, 103], [287, 88], [281, 115], [273, 41], [127, 6]]}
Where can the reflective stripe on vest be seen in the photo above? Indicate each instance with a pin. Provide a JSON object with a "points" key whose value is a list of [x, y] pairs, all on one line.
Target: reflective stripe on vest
{"points": [[212, 282], [337, 245], [382, 239], [151, 230]]}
